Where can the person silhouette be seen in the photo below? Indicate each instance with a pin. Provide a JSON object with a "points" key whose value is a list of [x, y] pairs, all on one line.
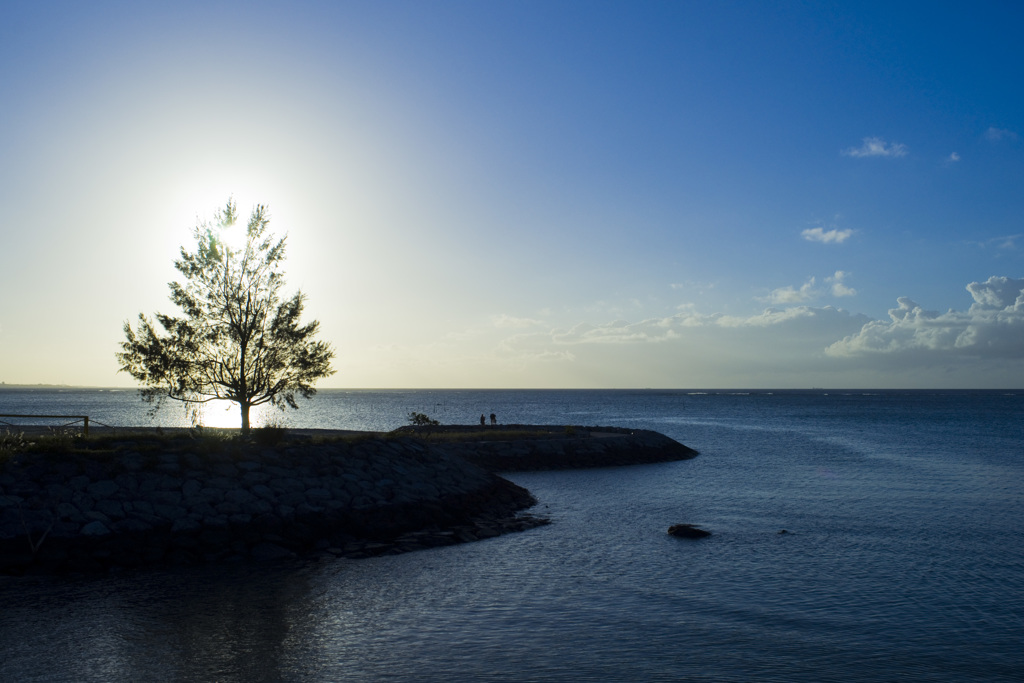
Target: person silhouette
{"points": [[483, 420], [494, 419]]}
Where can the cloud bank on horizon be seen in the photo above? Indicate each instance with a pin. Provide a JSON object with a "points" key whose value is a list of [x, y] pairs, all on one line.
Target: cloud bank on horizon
{"points": [[783, 342], [516, 194], [992, 328]]}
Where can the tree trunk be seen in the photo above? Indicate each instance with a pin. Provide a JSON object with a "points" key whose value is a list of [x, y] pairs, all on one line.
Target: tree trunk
{"points": [[245, 417]]}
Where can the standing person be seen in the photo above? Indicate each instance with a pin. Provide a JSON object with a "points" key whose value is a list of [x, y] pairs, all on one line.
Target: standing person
{"points": [[494, 419], [483, 421]]}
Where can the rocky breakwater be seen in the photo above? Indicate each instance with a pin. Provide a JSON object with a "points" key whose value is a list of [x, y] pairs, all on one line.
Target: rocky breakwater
{"points": [[518, 448], [150, 500]]}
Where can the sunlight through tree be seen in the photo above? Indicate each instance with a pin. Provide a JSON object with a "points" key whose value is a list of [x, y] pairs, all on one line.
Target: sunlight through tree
{"points": [[236, 340]]}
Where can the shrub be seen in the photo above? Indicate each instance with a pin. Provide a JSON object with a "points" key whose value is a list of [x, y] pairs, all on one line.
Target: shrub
{"points": [[269, 435], [422, 420]]}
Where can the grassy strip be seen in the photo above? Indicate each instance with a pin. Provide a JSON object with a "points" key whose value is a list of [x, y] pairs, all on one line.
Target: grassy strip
{"points": [[215, 441]]}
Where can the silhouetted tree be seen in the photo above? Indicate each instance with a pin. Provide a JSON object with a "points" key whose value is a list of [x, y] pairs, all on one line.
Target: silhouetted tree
{"points": [[422, 420], [236, 339]]}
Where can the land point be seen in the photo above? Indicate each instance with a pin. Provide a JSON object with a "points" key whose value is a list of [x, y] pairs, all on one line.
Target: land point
{"points": [[147, 497]]}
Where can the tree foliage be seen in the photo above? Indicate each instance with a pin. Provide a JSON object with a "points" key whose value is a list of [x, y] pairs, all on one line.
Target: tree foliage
{"points": [[422, 420], [235, 339]]}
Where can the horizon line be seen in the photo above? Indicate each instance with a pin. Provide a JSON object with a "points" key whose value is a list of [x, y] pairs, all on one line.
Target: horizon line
{"points": [[5, 385]]}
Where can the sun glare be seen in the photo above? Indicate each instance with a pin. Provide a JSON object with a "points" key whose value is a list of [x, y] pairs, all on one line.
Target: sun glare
{"points": [[226, 415], [198, 197], [234, 237]]}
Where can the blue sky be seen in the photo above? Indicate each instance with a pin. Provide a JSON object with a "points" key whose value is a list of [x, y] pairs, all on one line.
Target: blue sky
{"points": [[533, 194]]}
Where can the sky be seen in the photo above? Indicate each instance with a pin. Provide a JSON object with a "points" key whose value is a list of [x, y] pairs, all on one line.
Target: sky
{"points": [[532, 194]]}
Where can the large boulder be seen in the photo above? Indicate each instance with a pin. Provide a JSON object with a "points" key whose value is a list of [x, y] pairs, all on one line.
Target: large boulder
{"points": [[687, 531]]}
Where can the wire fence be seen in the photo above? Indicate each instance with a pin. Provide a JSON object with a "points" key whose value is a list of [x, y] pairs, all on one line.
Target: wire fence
{"points": [[75, 421]]}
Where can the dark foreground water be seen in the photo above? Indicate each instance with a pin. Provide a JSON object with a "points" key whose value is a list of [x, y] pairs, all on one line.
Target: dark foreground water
{"points": [[904, 558]]}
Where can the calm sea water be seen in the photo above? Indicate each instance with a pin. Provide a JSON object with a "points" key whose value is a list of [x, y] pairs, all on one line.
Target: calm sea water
{"points": [[904, 557]]}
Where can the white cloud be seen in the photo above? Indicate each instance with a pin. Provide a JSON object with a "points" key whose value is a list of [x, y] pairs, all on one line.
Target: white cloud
{"points": [[826, 236], [877, 147], [997, 293], [998, 134], [778, 347], [810, 290], [615, 332], [839, 287], [993, 327], [792, 295], [511, 322], [954, 157], [1004, 242], [680, 325]]}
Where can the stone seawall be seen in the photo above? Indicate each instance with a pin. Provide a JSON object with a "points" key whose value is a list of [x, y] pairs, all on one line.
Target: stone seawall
{"points": [[184, 500], [147, 499], [570, 448]]}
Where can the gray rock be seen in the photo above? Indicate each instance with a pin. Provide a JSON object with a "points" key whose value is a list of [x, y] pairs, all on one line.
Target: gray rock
{"points": [[287, 484], [157, 481], [103, 489], [127, 481], [307, 509], [83, 501], [70, 512], [211, 495], [264, 492], [259, 507], [292, 498], [227, 508], [184, 524], [58, 492], [169, 512], [251, 478], [239, 497], [270, 551], [318, 494], [225, 469], [278, 472], [224, 483], [95, 528], [191, 488], [202, 510], [80, 482], [166, 497], [216, 521], [111, 508], [133, 461], [143, 507], [128, 525], [687, 531]]}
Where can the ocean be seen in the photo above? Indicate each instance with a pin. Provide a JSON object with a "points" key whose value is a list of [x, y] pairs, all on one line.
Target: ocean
{"points": [[902, 557]]}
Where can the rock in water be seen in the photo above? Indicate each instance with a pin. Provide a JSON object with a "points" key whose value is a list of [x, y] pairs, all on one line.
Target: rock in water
{"points": [[687, 531]]}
